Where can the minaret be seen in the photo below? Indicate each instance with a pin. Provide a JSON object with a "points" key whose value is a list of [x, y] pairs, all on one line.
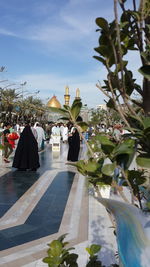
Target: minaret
{"points": [[77, 94], [67, 96]]}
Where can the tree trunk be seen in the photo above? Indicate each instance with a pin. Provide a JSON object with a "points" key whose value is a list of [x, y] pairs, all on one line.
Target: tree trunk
{"points": [[146, 97]]}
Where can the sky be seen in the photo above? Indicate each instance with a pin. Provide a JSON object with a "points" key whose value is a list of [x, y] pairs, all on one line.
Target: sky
{"points": [[50, 45]]}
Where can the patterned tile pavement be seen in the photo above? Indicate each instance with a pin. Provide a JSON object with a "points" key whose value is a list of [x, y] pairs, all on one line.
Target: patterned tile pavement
{"points": [[38, 207]]}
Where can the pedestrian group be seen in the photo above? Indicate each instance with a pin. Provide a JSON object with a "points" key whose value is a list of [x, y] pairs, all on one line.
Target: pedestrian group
{"points": [[28, 140]]}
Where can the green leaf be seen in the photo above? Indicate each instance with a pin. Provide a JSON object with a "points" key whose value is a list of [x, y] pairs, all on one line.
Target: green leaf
{"points": [[147, 132], [127, 147], [104, 50], [107, 149], [145, 71], [135, 121], [108, 169], [124, 17], [65, 118], [110, 103], [104, 140], [136, 177], [75, 108], [148, 26], [88, 250], [124, 152], [58, 110], [143, 160], [67, 108], [63, 110], [80, 166], [56, 248], [92, 166], [120, 65], [144, 54], [102, 23], [136, 15], [93, 249], [52, 262], [83, 125], [100, 59], [146, 122], [71, 260], [106, 145], [62, 237], [46, 260], [103, 39], [124, 24]]}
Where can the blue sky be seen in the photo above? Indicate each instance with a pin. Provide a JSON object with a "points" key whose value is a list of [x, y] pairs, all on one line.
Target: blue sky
{"points": [[49, 44]]}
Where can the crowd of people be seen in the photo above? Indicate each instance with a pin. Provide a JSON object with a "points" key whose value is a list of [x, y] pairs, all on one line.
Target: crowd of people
{"points": [[115, 131], [28, 140]]}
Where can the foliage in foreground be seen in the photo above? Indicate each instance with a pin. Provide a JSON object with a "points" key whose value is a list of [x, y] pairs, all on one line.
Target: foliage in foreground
{"points": [[60, 256], [116, 40]]}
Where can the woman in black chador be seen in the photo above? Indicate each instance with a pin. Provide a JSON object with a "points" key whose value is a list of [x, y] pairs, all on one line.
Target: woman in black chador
{"points": [[74, 145], [26, 155]]}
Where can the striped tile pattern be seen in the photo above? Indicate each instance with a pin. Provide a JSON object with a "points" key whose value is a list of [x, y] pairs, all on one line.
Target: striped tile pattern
{"points": [[73, 219]]}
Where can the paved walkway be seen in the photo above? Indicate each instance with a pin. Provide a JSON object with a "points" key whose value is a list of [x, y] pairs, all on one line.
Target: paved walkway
{"points": [[37, 207]]}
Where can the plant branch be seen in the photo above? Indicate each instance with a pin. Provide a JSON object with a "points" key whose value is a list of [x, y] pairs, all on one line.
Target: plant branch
{"points": [[118, 107], [103, 91], [134, 5], [128, 183], [119, 44]]}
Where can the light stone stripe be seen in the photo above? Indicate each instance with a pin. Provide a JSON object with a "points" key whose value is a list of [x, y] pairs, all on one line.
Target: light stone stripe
{"points": [[64, 154], [20, 254], [65, 223], [20, 211], [75, 215]]}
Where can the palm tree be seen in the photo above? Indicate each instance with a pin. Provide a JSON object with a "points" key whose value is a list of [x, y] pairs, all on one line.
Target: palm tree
{"points": [[8, 102], [30, 108]]}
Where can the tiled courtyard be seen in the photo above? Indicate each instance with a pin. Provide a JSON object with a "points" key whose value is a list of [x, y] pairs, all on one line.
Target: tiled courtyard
{"points": [[37, 207]]}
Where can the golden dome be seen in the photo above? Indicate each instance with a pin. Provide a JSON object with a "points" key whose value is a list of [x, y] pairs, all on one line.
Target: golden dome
{"points": [[53, 103]]}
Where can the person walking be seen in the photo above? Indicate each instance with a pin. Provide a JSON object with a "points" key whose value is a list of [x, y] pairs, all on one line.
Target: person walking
{"points": [[7, 146], [74, 145], [40, 136], [65, 134], [34, 131], [26, 155]]}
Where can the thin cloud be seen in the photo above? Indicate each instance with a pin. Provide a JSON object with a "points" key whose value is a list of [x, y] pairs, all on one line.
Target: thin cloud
{"points": [[8, 33], [59, 33], [49, 84]]}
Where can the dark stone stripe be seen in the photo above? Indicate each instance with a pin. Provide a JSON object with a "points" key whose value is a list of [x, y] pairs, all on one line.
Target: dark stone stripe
{"points": [[46, 218], [15, 183]]}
